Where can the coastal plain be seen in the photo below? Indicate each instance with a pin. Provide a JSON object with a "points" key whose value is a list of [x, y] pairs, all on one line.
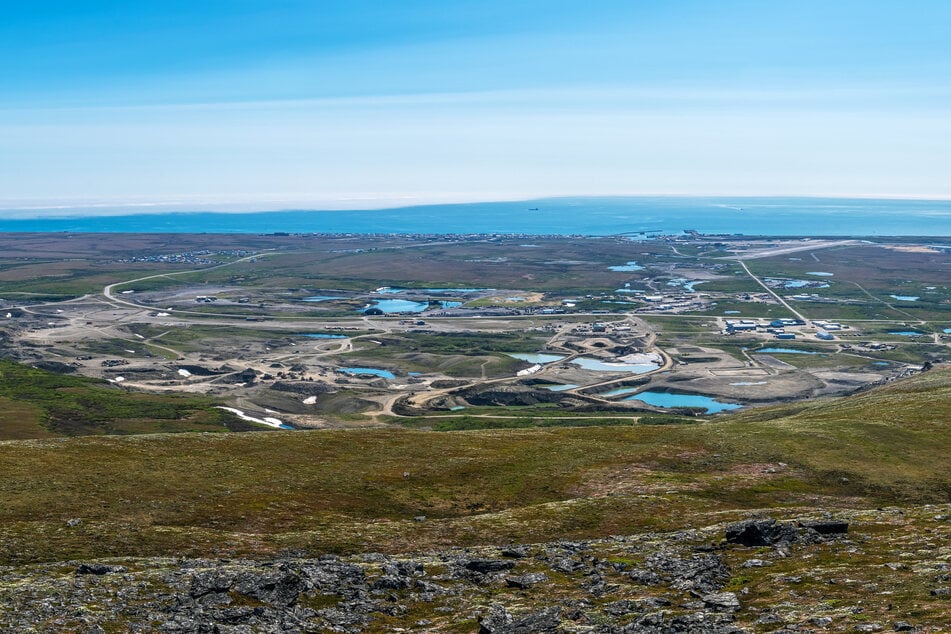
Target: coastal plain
{"points": [[474, 433], [461, 332]]}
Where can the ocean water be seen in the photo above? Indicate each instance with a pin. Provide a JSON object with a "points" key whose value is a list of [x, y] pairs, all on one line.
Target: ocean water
{"points": [[635, 216]]}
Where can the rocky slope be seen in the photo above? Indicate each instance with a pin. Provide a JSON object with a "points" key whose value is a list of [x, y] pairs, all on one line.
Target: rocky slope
{"points": [[887, 569]]}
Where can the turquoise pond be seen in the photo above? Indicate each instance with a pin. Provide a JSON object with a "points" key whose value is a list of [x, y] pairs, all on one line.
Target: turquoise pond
{"points": [[820, 273], [782, 351], [630, 266], [907, 333], [558, 387], [669, 399], [947, 331], [535, 358], [372, 371], [906, 298], [389, 306], [323, 335]]}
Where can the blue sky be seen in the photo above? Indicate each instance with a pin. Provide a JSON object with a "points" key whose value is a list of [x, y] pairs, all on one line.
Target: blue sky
{"points": [[277, 103]]}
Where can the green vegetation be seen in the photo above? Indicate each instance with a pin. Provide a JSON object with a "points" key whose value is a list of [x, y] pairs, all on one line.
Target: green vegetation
{"points": [[38, 404], [358, 490]]}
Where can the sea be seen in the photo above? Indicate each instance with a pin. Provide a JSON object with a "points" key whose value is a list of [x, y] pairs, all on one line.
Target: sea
{"points": [[597, 216]]}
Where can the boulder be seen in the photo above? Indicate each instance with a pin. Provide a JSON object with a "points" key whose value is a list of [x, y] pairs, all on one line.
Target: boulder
{"points": [[761, 532]]}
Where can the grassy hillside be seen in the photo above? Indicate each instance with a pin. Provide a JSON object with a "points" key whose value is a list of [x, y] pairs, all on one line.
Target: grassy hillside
{"points": [[359, 490], [35, 403]]}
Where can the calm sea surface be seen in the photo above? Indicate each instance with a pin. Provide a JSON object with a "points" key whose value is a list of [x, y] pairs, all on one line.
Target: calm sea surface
{"points": [[562, 216]]}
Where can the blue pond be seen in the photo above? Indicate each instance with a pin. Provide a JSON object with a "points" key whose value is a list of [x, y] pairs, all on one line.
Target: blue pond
{"points": [[820, 273], [374, 371], [323, 335], [630, 266], [907, 333], [906, 298], [668, 399], [947, 331], [406, 306], [782, 351]]}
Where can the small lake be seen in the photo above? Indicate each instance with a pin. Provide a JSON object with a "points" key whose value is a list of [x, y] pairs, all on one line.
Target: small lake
{"points": [[668, 399], [620, 391], [907, 333], [389, 306], [558, 387], [630, 266], [803, 284], [535, 358], [782, 351], [372, 371], [323, 335], [596, 365], [321, 298], [905, 298], [820, 273], [731, 312], [947, 331]]}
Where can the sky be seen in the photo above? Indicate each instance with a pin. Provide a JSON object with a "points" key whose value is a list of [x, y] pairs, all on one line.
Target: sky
{"points": [[261, 104]]}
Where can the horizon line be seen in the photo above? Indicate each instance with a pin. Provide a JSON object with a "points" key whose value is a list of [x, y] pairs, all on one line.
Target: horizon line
{"points": [[132, 207]]}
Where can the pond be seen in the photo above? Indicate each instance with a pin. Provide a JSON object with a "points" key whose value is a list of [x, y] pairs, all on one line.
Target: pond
{"points": [[907, 333], [619, 391], [906, 298], [628, 267], [389, 306], [803, 284], [947, 331], [323, 335], [558, 387], [535, 358], [596, 365], [670, 399], [372, 371], [782, 351], [820, 273]]}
